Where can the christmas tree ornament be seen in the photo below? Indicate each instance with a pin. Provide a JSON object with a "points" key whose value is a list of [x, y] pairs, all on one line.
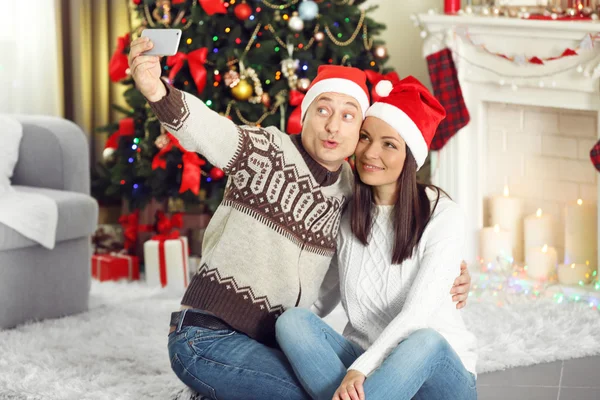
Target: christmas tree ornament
{"points": [[137, 2], [380, 52], [231, 78], [277, 16], [162, 12], [216, 173], [108, 155], [250, 73], [242, 91], [303, 84], [308, 10], [295, 23], [242, 11], [319, 36], [266, 100]]}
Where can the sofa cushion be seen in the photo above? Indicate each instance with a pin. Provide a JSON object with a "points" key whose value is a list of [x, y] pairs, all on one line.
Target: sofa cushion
{"points": [[77, 217]]}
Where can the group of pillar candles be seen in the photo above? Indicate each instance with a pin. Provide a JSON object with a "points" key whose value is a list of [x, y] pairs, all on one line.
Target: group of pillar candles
{"points": [[513, 237]]}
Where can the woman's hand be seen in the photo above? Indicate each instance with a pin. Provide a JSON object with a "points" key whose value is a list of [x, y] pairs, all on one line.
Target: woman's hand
{"points": [[351, 387], [462, 286]]}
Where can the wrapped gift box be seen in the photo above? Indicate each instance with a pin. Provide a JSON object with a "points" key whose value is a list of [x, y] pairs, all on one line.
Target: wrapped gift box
{"points": [[167, 262], [112, 267]]}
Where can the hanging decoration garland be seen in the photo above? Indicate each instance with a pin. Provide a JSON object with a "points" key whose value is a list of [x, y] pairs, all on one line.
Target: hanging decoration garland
{"points": [[587, 43]]}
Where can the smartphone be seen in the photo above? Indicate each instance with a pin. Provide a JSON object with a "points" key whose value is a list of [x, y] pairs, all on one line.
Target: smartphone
{"points": [[166, 41]]}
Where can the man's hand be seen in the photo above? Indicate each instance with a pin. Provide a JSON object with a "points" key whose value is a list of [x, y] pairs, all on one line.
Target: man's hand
{"points": [[351, 387], [146, 70], [461, 287]]}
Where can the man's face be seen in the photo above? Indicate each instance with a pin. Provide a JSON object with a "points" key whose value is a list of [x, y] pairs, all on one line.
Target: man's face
{"points": [[331, 128]]}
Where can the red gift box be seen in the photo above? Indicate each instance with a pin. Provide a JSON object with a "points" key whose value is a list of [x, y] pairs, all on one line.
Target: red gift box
{"points": [[112, 267]]}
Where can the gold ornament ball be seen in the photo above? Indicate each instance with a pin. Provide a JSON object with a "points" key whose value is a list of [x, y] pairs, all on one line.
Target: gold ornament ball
{"points": [[319, 36], [594, 17], [303, 84], [380, 52], [571, 12], [496, 12], [242, 91], [586, 11]]}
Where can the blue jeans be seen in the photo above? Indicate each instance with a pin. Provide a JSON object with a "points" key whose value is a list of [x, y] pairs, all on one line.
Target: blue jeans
{"points": [[423, 366], [226, 364]]}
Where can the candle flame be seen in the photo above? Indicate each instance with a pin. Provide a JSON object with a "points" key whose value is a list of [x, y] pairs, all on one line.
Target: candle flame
{"points": [[506, 192], [545, 248], [573, 266], [580, 202], [538, 212], [496, 228]]}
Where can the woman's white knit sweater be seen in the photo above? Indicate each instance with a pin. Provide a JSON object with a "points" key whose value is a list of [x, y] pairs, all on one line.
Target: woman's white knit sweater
{"points": [[386, 302]]}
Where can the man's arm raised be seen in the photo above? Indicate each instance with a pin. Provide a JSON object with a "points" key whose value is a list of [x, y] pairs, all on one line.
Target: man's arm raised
{"points": [[197, 127]]}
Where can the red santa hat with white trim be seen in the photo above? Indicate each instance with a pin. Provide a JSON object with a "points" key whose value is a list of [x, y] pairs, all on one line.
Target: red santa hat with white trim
{"points": [[412, 111], [338, 79]]}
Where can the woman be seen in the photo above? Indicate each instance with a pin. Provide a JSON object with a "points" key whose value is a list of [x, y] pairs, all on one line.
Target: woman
{"points": [[399, 249]]}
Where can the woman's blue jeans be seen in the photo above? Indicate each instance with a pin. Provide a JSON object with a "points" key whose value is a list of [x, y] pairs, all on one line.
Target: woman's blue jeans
{"points": [[424, 366]]}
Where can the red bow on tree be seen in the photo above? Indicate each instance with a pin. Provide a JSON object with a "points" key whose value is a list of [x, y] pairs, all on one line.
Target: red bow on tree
{"points": [[129, 222], [190, 178], [294, 125], [118, 64], [126, 128], [213, 7], [165, 225], [375, 77], [196, 60]]}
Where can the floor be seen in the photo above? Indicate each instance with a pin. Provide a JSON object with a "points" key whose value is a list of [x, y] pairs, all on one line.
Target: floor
{"points": [[577, 379]]}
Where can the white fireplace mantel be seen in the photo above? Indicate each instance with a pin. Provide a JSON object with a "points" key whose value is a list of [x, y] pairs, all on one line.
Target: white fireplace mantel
{"points": [[568, 83]]}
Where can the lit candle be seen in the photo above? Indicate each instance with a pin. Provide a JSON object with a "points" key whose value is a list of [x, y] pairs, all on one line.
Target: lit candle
{"points": [[572, 274], [495, 244], [539, 230], [541, 262], [581, 233], [506, 212]]}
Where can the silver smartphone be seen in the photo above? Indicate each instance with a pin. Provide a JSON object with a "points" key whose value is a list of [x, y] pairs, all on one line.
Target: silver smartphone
{"points": [[166, 41]]}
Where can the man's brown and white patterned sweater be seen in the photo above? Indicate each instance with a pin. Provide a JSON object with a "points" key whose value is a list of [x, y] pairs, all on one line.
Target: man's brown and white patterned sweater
{"points": [[271, 240]]}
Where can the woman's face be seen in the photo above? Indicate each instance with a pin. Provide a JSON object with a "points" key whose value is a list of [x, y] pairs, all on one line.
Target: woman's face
{"points": [[380, 153]]}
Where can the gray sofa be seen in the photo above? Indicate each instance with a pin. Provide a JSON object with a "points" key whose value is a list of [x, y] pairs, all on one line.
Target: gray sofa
{"points": [[37, 283]]}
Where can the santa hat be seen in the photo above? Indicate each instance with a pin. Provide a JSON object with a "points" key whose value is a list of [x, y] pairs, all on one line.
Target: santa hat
{"points": [[338, 79], [412, 111]]}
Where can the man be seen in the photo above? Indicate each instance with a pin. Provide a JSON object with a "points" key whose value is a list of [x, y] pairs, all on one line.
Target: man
{"points": [[270, 242]]}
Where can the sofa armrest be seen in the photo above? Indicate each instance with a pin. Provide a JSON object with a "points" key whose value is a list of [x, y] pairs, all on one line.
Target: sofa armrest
{"points": [[54, 154]]}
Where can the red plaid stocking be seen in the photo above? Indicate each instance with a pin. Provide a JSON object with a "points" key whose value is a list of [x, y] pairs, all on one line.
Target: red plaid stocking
{"points": [[595, 155], [446, 89]]}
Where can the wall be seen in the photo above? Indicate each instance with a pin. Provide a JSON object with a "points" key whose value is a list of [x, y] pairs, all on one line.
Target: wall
{"points": [[401, 36]]}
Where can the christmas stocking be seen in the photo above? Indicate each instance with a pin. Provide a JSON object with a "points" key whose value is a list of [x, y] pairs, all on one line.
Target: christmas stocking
{"points": [[595, 155], [446, 89]]}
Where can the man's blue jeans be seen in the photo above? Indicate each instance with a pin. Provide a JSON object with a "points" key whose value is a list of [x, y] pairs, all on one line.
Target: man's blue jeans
{"points": [[423, 366], [228, 365]]}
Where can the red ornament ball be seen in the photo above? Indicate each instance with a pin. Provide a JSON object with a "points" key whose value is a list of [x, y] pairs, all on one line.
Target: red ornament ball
{"points": [[242, 11], [137, 2], [216, 173]]}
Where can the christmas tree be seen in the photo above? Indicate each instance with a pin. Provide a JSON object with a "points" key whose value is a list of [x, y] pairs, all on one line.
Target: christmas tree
{"points": [[250, 61]]}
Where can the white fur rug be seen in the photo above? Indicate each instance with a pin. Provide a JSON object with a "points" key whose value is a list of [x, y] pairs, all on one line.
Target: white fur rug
{"points": [[117, 350]]}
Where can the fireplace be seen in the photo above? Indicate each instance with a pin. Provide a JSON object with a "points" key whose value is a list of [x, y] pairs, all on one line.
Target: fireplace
{"points": [[532, 126]]}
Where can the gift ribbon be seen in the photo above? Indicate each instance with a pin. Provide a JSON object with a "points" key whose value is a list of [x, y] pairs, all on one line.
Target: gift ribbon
{"points": [[375, 77], [118, 64], [196, 60], [294, 125], [190, 178], [126, 128], [129, 222]]}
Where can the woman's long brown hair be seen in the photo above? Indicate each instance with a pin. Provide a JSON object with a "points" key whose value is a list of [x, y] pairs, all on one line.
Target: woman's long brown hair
{"points": [[412, 210]]}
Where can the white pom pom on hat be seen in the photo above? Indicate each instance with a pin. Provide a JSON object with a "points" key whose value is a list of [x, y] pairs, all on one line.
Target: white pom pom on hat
{"points": [[384, 88]]}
